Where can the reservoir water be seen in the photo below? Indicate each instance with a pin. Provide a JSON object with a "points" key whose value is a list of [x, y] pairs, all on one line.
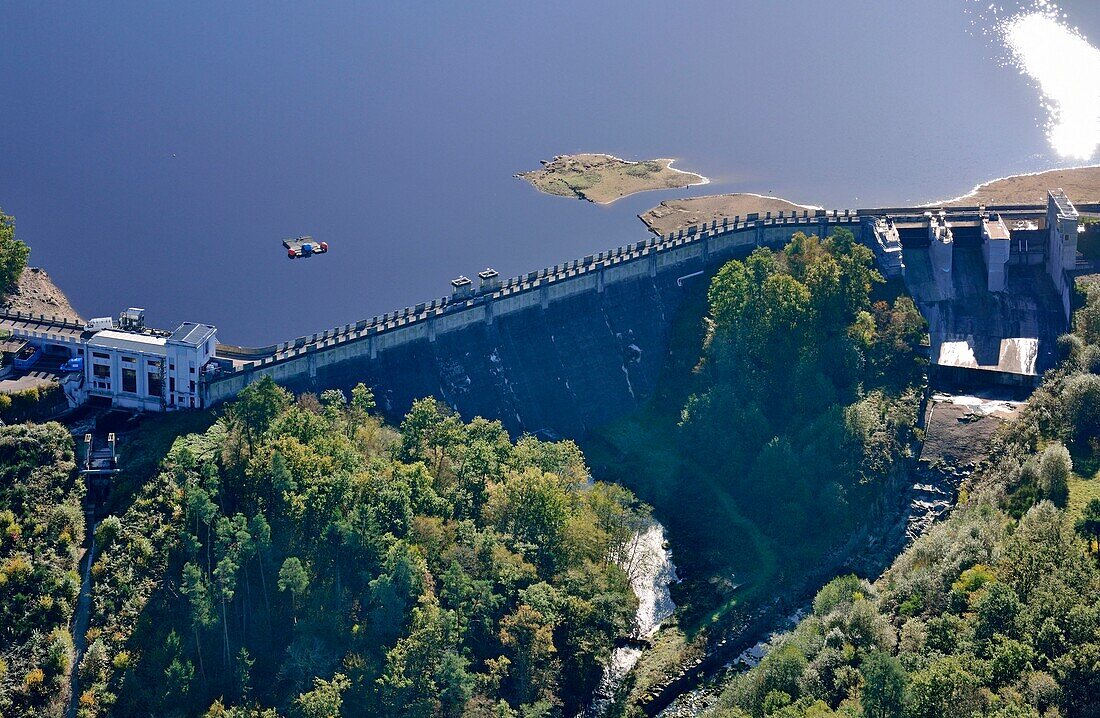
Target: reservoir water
{"points": [[155, 155]]}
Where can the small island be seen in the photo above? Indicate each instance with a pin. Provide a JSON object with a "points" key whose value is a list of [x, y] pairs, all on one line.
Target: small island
{"points": [[603, 179]]}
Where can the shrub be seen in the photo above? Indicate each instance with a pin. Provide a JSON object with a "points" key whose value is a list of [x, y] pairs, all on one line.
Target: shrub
{"points": [[1081, 399], [1054, 469]]}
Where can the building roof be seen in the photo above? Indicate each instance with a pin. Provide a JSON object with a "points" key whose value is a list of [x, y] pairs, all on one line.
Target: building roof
{"points": [[1065, 207], [995, 228], [191, 333], [130, 341]]}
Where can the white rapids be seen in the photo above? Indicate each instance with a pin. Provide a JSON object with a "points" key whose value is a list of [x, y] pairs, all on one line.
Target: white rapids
{"points": [[650, 568]]}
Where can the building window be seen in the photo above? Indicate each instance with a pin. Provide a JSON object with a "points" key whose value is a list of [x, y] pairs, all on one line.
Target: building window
{"points": [[98, 355], [171, 383], [129, 381], [192, 386], [172, 366], [156, 384], [128, 360], [101, 377]]}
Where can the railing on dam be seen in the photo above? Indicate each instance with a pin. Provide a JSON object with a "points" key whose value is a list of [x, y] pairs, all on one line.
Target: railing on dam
{"points": [[705, 241], [43, 327], [51, 320], [596, 267]]}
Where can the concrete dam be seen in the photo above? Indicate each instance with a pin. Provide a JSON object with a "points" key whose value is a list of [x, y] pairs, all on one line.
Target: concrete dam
{"points": [[551, 353], [568, 348], [562, 350]]}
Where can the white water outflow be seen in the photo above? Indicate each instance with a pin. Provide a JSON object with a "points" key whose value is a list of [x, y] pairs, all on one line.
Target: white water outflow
{"points": [[651, 571]]}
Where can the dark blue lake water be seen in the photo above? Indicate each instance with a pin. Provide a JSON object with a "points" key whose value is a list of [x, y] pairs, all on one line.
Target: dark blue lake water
{"points": [[155, 155]]}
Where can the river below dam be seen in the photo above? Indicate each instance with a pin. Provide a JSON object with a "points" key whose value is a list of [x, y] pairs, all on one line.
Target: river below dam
{"points": [[156, 155], [651, 571]]}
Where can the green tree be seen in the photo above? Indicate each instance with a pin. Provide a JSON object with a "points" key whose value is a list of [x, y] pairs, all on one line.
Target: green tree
{"points": [[362, 399], [996, 612], [324, 701], [534, 508], [456, 684], [946, 688], [529, 637], [1086, 321], [1080, 399], [257, 406], [1089, 523], [1042, 545], [293, 578], [883, 694], [13, 254], [781, 669]]}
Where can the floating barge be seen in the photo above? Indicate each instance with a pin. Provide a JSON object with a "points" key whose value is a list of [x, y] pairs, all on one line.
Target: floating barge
{"points": [[304, 247]]}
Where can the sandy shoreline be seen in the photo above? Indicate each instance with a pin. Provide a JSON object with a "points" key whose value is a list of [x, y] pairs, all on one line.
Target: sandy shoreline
{"points": [[1081, 184], [673, 215]]}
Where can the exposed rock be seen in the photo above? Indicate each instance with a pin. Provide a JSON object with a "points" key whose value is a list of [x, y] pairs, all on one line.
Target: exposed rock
{"points": [[36, 293]]}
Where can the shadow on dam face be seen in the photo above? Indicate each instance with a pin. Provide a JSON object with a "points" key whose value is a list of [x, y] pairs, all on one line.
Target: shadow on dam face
{"points": [[580, 362], [560, 352], [554, 372], [983, 337]]}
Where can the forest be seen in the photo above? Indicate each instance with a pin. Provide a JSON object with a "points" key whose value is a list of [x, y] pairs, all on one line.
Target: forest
{"points": [[996, 612], [787, 411], [300, 555], [297, 556], [41, 530]]}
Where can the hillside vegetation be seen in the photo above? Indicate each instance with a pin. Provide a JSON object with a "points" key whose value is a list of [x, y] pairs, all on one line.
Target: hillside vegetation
{"points": [[777, 427], [995, 613], [41, 529], [300, 558]]}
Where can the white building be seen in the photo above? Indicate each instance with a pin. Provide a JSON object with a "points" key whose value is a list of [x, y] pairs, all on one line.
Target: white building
{"points": [[148, 371]]}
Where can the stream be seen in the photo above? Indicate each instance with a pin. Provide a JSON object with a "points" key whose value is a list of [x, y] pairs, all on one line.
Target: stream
{"points": [[80, 624], [651, 570]]}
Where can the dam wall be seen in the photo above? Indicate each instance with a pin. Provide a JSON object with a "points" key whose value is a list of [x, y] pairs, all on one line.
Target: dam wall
{"points": [[552, 352], [566, 348]]}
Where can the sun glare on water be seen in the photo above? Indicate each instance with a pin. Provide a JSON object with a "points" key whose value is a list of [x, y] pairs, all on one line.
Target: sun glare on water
{"points": [[1064, 67]]}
